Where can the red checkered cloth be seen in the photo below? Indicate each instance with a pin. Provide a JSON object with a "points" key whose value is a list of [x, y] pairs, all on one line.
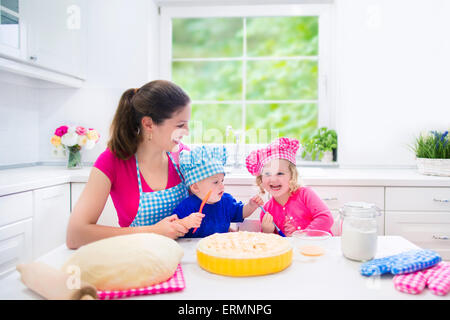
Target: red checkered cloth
{"points": [[175, 283], [437, 278], [282, 148]]}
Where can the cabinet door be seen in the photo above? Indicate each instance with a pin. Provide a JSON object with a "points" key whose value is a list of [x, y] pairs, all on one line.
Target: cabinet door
{"points": [[51, 215], [16, 207], [15, 245], [336, 196], [430, 230], [57, 35], [109, 214], [12, 29]]}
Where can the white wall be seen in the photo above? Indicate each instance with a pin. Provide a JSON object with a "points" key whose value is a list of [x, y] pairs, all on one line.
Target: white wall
{"points": [[392, 81], [119, 34]]}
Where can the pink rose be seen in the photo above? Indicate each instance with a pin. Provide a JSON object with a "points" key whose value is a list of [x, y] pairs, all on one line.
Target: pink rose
{"points": [[81, 131], [61, 131]]}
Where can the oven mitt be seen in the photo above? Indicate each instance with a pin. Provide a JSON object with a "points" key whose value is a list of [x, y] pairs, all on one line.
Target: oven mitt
{"points": [[437, 278], [406, 262]]}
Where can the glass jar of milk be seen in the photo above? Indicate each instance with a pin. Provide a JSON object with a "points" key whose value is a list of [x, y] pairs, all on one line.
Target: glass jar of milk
{"points": [[359, 230]]}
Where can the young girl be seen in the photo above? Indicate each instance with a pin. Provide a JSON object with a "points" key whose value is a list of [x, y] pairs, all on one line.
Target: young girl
{"points": [[292, 207]]}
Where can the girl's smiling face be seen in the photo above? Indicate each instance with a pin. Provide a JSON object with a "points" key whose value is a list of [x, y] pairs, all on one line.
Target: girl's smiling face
{"points": [[275, 177]]}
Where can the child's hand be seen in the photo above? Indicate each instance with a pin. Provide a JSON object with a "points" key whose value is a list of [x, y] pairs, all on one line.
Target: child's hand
{"points": [[194, 220], [256, 201], [267, 223]]}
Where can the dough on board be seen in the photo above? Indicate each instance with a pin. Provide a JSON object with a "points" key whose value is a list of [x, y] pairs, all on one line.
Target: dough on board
{"points": [[126, 262]]}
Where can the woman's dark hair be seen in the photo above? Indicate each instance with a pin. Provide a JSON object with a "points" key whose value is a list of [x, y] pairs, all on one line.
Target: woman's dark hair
{"points": [[158, 99]]}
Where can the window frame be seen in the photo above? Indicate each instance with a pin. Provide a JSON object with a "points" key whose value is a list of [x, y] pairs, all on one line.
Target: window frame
{"points": [[324, 58]]}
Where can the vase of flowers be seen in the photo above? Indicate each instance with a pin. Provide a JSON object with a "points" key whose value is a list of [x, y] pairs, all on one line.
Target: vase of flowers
{"points": [[432, 150], [69, 141]]}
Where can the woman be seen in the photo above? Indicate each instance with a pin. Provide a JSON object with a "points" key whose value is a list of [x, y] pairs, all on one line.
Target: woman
{"points": [[137, 169]]}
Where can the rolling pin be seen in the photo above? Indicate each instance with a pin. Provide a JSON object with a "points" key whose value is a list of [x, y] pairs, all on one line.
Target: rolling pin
{"points": [[53, 284]]}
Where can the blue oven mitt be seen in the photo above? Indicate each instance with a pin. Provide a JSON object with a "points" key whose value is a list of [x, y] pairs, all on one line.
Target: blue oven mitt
{"points": [[406, 262]]}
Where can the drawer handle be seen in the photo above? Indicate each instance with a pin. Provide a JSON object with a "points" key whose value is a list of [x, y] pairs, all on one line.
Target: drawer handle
{"points": [[441, 200], [330, 199], [441, 237]]}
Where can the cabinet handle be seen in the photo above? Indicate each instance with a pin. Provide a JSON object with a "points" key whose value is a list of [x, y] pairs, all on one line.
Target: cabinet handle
{"points": [[441, 200], [441, 237], [330, 199], [33, 58]]}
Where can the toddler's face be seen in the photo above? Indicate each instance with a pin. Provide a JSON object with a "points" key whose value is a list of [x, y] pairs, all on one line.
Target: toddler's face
{"points": [[276, 176], [214, 183]]}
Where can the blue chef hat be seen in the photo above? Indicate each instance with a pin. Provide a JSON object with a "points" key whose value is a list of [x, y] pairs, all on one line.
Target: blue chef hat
{"points": [[202, 162]]}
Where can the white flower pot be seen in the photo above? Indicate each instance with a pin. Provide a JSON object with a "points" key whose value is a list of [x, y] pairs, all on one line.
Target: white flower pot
{"points": [[327, 156], [433, 167]]}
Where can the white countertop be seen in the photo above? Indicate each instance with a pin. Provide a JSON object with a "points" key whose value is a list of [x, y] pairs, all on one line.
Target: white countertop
{"points": [[330, 277], [29, 178]]}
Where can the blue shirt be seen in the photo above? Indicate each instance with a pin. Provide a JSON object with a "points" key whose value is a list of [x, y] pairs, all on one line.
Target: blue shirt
{"points": [[218, 216]]}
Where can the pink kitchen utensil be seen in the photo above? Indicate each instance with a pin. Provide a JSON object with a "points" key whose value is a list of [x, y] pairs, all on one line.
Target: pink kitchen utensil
{"points": [[175, 283]]}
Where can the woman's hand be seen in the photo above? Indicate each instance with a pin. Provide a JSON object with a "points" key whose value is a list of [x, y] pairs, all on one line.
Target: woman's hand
{"points": [[267, 223], [171, 227]]}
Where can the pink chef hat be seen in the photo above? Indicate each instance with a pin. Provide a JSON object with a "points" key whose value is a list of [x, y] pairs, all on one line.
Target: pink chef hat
{"points": [[282, 148]]}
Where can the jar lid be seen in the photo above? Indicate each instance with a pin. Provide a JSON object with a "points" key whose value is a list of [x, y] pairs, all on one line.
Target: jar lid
{"points": [[360, 209]]}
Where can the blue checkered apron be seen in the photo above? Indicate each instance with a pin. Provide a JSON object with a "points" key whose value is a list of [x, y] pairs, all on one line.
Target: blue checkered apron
{"points": [[156, 205]]}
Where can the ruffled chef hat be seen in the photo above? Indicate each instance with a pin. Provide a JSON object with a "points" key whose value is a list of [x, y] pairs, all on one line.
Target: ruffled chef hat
{"points": [[282, 148], [202, 162]]}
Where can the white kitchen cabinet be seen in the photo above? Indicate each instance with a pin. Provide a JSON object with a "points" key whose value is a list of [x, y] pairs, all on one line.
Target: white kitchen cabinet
{"points": [[336, 196], [109, 214], [57, 35], [421, 215], [51, 215], [15, 245], [16, 211], [12, 29]]}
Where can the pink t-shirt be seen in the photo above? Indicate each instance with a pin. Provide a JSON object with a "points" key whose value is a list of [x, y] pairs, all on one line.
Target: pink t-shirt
{"points": [[124, 182], [306, 208]]}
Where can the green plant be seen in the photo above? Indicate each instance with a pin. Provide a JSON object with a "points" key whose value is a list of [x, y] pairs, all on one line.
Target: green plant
{"points": [[323, 140], [432, 145]]}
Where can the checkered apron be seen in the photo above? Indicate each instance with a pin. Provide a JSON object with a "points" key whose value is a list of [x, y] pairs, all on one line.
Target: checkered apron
{"points": [[156, 205]]}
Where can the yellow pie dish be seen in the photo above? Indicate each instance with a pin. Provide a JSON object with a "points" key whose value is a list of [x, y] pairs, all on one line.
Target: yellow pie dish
{"points": [[241, 254]]}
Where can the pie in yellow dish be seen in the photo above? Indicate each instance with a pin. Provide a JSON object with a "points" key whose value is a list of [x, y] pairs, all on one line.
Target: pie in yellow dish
{"points": [[244, 253]]}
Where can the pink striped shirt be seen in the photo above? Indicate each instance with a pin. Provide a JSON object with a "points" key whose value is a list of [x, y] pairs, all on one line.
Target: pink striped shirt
{"points": [[306, 208]]}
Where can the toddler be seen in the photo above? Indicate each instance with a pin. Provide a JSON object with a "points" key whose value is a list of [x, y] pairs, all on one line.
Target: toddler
{"points": [[203, 171], [291, 206]]}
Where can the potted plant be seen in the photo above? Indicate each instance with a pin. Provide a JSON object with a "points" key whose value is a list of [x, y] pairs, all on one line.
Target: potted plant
{"points": [[432, 150], [322, 145]]}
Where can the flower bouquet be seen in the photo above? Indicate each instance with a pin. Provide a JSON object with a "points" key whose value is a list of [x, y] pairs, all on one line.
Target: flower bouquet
{"points": [[73, 139], [432, 151]]}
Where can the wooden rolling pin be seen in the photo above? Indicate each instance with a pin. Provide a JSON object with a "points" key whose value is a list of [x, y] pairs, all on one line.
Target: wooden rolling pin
{"points": [[52, 283]]}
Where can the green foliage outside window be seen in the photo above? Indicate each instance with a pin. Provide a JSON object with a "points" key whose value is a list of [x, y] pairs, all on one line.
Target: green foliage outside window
{"points": [[209, 59]]}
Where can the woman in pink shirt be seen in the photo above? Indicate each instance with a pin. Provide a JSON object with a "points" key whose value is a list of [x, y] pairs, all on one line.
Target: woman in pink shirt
{"points": [[139, 169], [291, 207]]}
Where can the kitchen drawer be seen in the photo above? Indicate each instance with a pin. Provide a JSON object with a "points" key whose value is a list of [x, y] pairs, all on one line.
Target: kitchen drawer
{"points": [[16, 207], [417, 199], [336, 197], [51, 216], [430, 230], [15, 245]]}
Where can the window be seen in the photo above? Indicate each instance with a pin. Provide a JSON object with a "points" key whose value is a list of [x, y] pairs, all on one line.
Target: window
{"points": [[261, 70]]}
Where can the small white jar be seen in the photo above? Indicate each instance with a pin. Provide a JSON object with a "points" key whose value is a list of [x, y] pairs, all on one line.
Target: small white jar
{"points": [[359, 230]]}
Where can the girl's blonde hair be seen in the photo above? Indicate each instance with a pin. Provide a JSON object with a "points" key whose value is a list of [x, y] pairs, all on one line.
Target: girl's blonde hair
{"points": [[293, 182]]}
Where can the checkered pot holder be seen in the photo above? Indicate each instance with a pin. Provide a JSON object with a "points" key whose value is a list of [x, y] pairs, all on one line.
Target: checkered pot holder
{"points": [[175, 283], [405, 262], [437, 278]]}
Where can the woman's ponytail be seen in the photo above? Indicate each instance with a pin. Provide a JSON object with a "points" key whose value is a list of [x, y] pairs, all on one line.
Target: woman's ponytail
{"points": [[158, 99], [124, 128]]}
